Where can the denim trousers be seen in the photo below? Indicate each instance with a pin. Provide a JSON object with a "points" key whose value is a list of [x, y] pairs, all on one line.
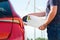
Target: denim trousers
{"points": [[53, 32]]}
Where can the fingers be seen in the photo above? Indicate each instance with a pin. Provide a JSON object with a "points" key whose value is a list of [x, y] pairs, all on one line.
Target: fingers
{"points": [[42, 28]]}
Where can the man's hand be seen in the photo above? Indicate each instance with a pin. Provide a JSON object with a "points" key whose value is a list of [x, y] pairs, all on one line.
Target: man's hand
{"points": [[43, 27]]}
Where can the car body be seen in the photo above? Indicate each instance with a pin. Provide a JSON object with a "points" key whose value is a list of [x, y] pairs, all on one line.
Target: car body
{"points": [[11, 25]]}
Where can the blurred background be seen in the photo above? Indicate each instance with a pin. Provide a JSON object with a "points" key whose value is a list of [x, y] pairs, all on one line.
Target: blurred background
{"points": [[24, 7]]}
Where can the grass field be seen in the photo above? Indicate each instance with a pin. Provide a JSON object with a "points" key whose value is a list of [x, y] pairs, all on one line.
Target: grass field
{"points": [[38, 39]]}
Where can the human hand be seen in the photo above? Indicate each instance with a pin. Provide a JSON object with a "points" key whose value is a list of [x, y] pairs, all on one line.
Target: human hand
{"points": [[43, 27]]}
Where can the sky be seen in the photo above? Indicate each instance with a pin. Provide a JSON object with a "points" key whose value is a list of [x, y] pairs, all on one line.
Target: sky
{"points": [[21, 8]]}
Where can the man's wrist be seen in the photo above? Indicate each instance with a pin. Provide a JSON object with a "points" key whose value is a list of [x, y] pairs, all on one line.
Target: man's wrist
{"points": [[45, 25]]}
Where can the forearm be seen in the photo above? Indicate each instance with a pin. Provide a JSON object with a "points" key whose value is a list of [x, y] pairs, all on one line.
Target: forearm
{"points": [[51, 15], [39, 14], [50, 18]]}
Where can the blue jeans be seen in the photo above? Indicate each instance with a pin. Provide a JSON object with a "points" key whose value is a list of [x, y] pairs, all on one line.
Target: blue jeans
{"points": [[53, 32]]}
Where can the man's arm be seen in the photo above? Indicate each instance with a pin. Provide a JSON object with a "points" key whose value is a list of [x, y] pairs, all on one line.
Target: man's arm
{"points": [[38, 14], [51, 15]]}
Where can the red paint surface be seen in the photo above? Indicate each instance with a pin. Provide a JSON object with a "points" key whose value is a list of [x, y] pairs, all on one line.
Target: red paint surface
{"points": [[17, 29]]}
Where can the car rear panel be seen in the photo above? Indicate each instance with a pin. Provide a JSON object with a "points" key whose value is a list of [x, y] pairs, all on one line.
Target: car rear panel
{"points": [[11, 25]]}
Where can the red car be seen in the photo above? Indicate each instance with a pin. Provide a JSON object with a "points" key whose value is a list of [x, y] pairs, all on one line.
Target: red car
{"points": [[11, 25]]}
